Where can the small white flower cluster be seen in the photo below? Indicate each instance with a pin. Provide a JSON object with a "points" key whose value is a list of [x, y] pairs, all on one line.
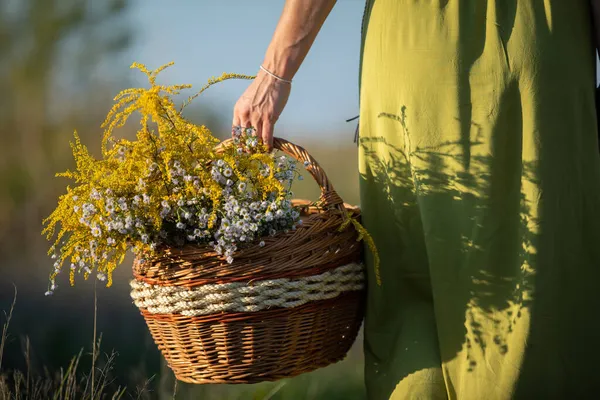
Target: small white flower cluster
{"points": [[122, 217], [245, 137], [244, 221], [244, 218], [81, 264]]}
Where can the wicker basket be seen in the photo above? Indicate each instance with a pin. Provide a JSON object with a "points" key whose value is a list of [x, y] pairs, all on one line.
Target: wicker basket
{"points": [[289, 307]]}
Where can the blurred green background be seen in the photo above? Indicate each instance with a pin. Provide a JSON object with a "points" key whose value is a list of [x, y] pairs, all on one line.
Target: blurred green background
{"points": [[61, 62]]}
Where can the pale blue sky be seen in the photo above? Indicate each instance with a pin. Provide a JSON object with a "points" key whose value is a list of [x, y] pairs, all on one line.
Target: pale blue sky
{"points": [[206, 38]]}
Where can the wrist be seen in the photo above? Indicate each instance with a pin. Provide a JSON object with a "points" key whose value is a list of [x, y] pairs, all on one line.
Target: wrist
{"points": [[281, 63], [278, 78]]}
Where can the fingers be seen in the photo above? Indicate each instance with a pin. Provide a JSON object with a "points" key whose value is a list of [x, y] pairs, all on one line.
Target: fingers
{"points": [[257, 125], [241, 118], [236, 120], [266, 133], [263, 125]]}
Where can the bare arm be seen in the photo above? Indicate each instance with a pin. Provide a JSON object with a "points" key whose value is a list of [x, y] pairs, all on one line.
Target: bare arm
{"points": [[264, 100], [296, 31]]}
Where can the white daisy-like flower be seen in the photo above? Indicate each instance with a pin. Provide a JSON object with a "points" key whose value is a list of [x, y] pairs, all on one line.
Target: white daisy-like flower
{"points": [[95, 194], [180, 225], [262, 243], [128, 222], [96, 232]]}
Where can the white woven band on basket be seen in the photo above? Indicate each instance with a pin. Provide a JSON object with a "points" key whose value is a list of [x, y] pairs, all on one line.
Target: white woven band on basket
{"points": [[247, 296]]}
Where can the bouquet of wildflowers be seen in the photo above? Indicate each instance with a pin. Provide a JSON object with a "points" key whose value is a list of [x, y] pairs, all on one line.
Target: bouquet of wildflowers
{"points": [[172, 185]]}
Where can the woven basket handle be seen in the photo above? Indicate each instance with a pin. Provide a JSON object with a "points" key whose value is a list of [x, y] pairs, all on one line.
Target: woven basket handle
{"points": [[329, 196]]}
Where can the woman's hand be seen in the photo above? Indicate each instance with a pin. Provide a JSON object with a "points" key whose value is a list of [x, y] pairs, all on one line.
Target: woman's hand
{"points": [[261, 105]]}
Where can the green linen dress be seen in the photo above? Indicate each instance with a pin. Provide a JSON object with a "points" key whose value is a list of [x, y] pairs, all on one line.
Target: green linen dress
{"points": [[480, 184]]}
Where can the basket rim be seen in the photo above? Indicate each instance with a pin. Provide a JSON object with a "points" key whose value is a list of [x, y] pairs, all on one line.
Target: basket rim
{"points": [[175, 265], [315, 212]]}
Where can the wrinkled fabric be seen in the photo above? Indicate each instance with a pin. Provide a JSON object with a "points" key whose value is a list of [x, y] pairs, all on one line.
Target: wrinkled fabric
{"points": [[480, 184]]}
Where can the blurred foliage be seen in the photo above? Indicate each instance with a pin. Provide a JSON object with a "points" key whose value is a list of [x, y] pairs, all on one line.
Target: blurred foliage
{"points": [[49, 50]]}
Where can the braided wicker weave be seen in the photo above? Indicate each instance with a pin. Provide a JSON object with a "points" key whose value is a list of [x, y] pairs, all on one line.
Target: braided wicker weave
{"points": [[289, 307]]}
